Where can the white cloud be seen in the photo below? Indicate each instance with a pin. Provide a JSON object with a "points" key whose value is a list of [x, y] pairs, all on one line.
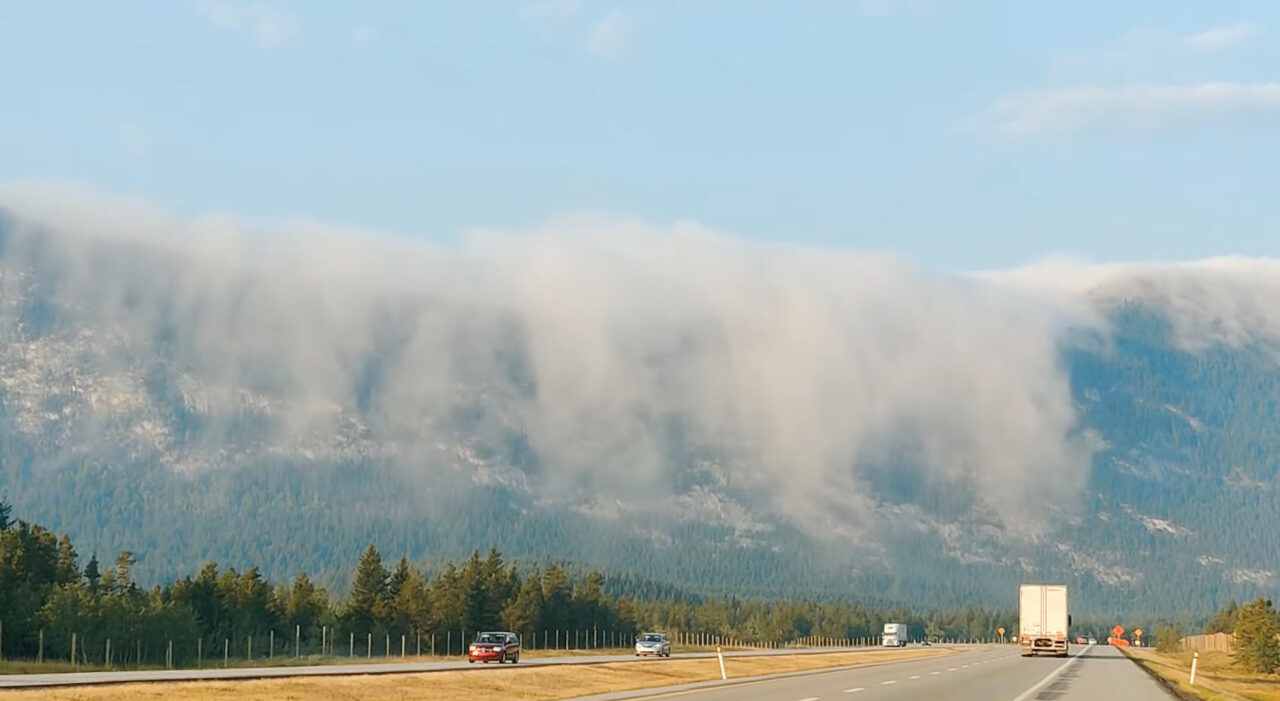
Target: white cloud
{"points": [[552, 9], [1225, 36], [363, 35], [270, 27], [802, 370], [611, 36], [1129, 108]]}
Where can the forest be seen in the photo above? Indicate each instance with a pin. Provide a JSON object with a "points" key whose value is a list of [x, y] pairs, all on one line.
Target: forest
{"points": [[50, 605]]}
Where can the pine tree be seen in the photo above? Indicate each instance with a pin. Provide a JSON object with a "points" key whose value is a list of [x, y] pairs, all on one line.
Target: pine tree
{"points": [[367, 605], [409, 610], [91, 574], [5, 511], [67, 572], [524, 614], [398, 577], [556, 598], [1224, 621], [1257, 648], [123, 579]]}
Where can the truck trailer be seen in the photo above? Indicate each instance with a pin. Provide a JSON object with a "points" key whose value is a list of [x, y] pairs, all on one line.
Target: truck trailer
{"points": [[895, 635], [1044, 620]]}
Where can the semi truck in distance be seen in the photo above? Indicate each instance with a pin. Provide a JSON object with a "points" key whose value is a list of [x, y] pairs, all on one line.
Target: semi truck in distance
{"points": [[1044, 620], [895, 635]]}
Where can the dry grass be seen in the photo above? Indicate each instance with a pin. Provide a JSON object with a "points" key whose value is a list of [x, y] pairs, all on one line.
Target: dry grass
{"points": [[513, 682], [1217, 679]]}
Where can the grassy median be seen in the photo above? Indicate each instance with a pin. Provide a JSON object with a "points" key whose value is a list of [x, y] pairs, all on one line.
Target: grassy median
{"points": [[492, 681], [1217, 678]]}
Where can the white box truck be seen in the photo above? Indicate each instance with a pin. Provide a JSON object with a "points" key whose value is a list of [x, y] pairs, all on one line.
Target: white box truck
{"points": [[1044, 620], [895, 635]]}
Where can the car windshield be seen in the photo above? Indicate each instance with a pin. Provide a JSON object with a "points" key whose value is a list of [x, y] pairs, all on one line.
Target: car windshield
{"points": [[651, 639], [491, 638]]}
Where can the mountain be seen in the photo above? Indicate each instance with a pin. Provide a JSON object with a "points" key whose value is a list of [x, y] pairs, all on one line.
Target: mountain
{"points": [[671, 405]]}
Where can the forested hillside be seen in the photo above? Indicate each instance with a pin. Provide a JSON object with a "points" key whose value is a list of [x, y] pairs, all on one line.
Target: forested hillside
{"points": [[46, 596], [189, 411]]}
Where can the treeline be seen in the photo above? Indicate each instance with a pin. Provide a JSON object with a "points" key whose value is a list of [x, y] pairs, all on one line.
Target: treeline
{"points": [[1256, 628], [46, 597]]}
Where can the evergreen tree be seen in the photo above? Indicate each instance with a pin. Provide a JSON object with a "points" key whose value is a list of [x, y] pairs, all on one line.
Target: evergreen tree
{"points": [[91, 574], [5, 511], [409, 609], [1256, 645], [524, 614], [398, 577], [67, 572], [367, 604], [1224, 621]]}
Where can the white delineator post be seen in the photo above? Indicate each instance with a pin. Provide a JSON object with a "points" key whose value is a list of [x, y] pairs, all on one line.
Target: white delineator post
{"points": [[720, 654], [1194, 659]]}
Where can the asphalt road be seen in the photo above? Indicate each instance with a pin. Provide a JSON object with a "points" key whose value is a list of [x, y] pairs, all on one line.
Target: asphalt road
{"points": [[989, 674], [14, 681]]}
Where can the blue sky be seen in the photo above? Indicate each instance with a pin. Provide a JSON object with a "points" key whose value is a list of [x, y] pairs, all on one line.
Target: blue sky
{"points": [[961, 134]]}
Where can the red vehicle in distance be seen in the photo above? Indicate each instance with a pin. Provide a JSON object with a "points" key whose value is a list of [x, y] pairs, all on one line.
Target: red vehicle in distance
{"points": [[495, 647]]}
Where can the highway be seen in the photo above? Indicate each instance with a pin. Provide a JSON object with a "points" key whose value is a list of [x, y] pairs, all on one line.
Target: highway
{"points": [[988, 674], [18, 681]]}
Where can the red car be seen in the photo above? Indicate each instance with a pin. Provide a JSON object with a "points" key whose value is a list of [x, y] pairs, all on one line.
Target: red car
{"points": [[491, 647]]}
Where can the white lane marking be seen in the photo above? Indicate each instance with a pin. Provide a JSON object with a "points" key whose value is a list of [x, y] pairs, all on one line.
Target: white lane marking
{"points": [[933, 673], [855, 690], [1052, 675], [811, 698], [952, 669], [914, 676], [891, 681]]}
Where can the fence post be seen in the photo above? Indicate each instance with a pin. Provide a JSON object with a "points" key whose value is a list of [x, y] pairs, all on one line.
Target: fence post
{"points": [[73, 650], [368, 646], [448, 643], [250, 648], [40, 654], [226, 652], [1194, 659], [419, 636], [107, 656], [402, 644], [388, 645], [297, 640], [351, 646], [199, 652], [272, 649], [433, 644]]}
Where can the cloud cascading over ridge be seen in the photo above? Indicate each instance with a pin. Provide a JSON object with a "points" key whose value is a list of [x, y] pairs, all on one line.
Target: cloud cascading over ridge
{"points": [[611, 347]]}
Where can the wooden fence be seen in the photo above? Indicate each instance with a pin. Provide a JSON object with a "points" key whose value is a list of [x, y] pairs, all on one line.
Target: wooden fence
{"points": [[1217, 642]]}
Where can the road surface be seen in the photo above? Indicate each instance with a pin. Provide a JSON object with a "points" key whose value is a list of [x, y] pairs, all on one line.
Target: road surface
{"points": [[16, 681], [988, 674]]}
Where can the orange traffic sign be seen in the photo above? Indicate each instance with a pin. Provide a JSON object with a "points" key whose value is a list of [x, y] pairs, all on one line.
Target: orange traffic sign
{"points": [[1117, 631], [1000, 631], [1137, 632]]}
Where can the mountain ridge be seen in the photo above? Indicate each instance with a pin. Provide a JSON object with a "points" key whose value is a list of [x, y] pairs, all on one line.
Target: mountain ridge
{"points": [[1133, 461]]}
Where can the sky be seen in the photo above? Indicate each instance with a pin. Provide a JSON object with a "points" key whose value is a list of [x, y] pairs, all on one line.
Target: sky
{"points": [[960, 135]]}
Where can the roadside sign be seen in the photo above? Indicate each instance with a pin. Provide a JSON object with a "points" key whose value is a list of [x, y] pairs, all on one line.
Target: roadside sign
{"points": [[1000, 630], [1117, 631], [1137, 632]]}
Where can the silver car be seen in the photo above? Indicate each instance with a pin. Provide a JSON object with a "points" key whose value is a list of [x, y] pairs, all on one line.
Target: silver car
{"points": [[656, 644]]}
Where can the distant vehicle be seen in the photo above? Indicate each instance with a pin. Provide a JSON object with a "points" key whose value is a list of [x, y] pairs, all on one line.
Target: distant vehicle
{"points": [[656, 644], [490, 647], [895, 635], [926, 642], [1043, 619], [1093, 641], [1080, 640]]}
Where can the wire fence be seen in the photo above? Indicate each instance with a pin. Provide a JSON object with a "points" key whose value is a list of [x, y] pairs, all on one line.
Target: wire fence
{"points": [[333, 643]]}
